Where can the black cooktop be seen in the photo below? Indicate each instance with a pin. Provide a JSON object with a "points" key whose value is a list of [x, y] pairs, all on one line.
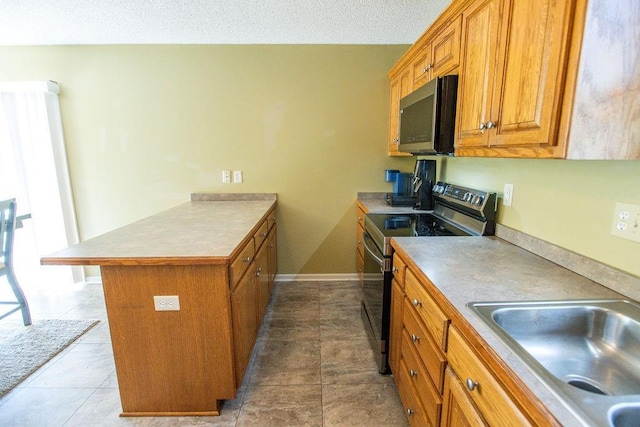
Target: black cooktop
{"points": [[413, 224]]}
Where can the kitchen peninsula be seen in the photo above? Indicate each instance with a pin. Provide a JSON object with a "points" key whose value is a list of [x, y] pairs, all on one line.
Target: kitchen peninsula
{"points": [[216, 256]]}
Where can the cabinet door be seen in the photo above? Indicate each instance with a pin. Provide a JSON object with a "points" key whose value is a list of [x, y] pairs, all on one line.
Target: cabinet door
{"points": [[245, 322], [395, 332], [457, 409], [400, 86], [422, 67], [272, 248], [261, 274], [479, 47], [531, 65], [445, 49]]}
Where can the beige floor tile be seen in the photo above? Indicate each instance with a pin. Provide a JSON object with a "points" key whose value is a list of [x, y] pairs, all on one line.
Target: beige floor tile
{"points": [[362, 405], [312, 366], [286, 363], [266, 406]]}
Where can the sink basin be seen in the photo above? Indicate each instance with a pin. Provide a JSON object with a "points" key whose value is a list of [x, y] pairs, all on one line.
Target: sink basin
{"points": [[586, 352]]}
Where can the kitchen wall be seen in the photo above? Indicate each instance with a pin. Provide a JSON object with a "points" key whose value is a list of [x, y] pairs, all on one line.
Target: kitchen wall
{"points": [[147, 125], [569, 203]]}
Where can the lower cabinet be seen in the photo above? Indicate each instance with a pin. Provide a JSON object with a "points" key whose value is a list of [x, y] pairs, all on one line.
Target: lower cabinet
{"points": [[440, 378], [244, 301], [250, 295], [482, 388], [457, 410]]}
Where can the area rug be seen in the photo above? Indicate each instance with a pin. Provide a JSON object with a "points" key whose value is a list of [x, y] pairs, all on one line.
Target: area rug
{"points": [[23, 349]]}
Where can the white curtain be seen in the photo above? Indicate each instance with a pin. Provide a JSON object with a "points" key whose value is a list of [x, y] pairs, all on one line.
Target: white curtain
{"points": [[33, 169]]}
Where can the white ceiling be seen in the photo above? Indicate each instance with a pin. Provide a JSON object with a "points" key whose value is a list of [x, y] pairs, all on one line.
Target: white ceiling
{"points": [[64, 22]]}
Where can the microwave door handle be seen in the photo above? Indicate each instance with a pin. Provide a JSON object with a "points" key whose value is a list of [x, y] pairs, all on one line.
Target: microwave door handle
{"points": [[379, 260]]}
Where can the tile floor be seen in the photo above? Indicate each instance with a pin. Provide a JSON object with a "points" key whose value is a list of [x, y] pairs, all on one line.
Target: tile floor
{"points": [[312, 366]]}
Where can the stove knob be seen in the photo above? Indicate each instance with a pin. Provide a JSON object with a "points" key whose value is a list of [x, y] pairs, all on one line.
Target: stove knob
{"points": [[467, 197], [478, 200]]}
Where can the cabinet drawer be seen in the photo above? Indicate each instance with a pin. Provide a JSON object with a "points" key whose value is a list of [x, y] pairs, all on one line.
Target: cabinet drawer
{"points": [[423, 344], [271, 219], [261, 234], [399, 268], [361, 214], [360, 240], [421, 67], [419, 377], [487, 394], [412, 407], [240, 263], [435, 320]]}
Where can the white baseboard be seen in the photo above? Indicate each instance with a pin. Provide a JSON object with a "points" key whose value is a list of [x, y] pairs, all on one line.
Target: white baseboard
{"points": [[343, 277]]}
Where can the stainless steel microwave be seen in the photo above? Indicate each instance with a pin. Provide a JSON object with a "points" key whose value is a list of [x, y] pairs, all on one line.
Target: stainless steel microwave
{"points": [[428, 116]]}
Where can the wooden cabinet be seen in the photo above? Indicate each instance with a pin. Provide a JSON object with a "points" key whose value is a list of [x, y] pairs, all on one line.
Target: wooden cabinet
{"points": [[400, 86], [482, 388], [361, 212], [251, 293], [272, 243], [244, 301], [397, 304], [415, 353], [512, 75], [439, 56], [457, 409], [433, 55], [432, 361]]}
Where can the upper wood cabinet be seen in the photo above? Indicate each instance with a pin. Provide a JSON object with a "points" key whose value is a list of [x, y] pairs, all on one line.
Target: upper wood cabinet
{"points": [[434, 55], [512, 77], [400, 86], [439, 56], [530, 77]]}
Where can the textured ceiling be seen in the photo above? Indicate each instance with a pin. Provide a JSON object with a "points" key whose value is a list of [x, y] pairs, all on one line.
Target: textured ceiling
{"points": [[63, 22]]}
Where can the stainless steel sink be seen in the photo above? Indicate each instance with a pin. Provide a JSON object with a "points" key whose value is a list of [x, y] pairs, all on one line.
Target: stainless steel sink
{"points": [[587, 352]]}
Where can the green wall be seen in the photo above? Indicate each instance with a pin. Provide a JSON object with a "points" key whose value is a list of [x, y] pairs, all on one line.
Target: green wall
{"points": [[566, 202], [147, 125]]}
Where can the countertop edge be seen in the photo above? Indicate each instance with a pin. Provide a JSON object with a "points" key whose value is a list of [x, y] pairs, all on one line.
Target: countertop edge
{"points": [[227, 197]]}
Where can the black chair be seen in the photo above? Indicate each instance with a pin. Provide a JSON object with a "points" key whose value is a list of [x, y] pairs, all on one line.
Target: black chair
{"points": [[7, 229]]}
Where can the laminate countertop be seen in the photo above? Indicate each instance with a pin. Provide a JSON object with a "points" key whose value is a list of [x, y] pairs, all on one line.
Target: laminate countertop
{"points": [[209, 229], [473, 269]]}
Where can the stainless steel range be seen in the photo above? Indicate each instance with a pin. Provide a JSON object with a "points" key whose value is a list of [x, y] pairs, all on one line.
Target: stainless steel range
{"points": [[458, 211]]}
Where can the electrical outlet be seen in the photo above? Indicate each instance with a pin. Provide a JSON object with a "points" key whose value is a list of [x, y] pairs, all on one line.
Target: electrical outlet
{"points": [[626, 221], [237, 177], [166, 302], [507, 197], [226, 177]]}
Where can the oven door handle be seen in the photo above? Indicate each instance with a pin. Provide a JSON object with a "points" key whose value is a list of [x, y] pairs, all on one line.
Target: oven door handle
{"points": [[379, 260]]}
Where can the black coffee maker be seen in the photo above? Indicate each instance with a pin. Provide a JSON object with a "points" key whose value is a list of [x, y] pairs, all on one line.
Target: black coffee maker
{"points": [[424, 177]]}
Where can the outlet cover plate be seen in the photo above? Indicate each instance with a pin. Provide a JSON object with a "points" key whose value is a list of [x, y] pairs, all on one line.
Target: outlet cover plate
{"points": [[626, 221], [166, 302]]}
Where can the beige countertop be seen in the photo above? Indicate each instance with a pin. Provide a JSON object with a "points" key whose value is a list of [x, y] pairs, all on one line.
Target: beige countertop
{"points": [[377, 203], [192, 233], [472, 269]]}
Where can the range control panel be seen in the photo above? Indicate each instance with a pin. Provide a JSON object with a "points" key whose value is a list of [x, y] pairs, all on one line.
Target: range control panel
{"points": [[481, 202]]}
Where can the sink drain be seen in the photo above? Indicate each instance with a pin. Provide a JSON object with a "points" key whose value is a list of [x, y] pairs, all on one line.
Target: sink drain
{"points": [[587, 386]]}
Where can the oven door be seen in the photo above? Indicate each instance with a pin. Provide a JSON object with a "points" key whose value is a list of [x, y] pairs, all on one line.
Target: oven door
{"points": [[376, 301]]}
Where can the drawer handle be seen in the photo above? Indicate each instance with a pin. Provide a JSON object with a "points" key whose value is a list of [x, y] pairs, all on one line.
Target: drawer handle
{"points": [[412, 373], [471, 384], [247, 259], [416, 302], [263, 234], [415, 338], [409, 412], [394, 270]]}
